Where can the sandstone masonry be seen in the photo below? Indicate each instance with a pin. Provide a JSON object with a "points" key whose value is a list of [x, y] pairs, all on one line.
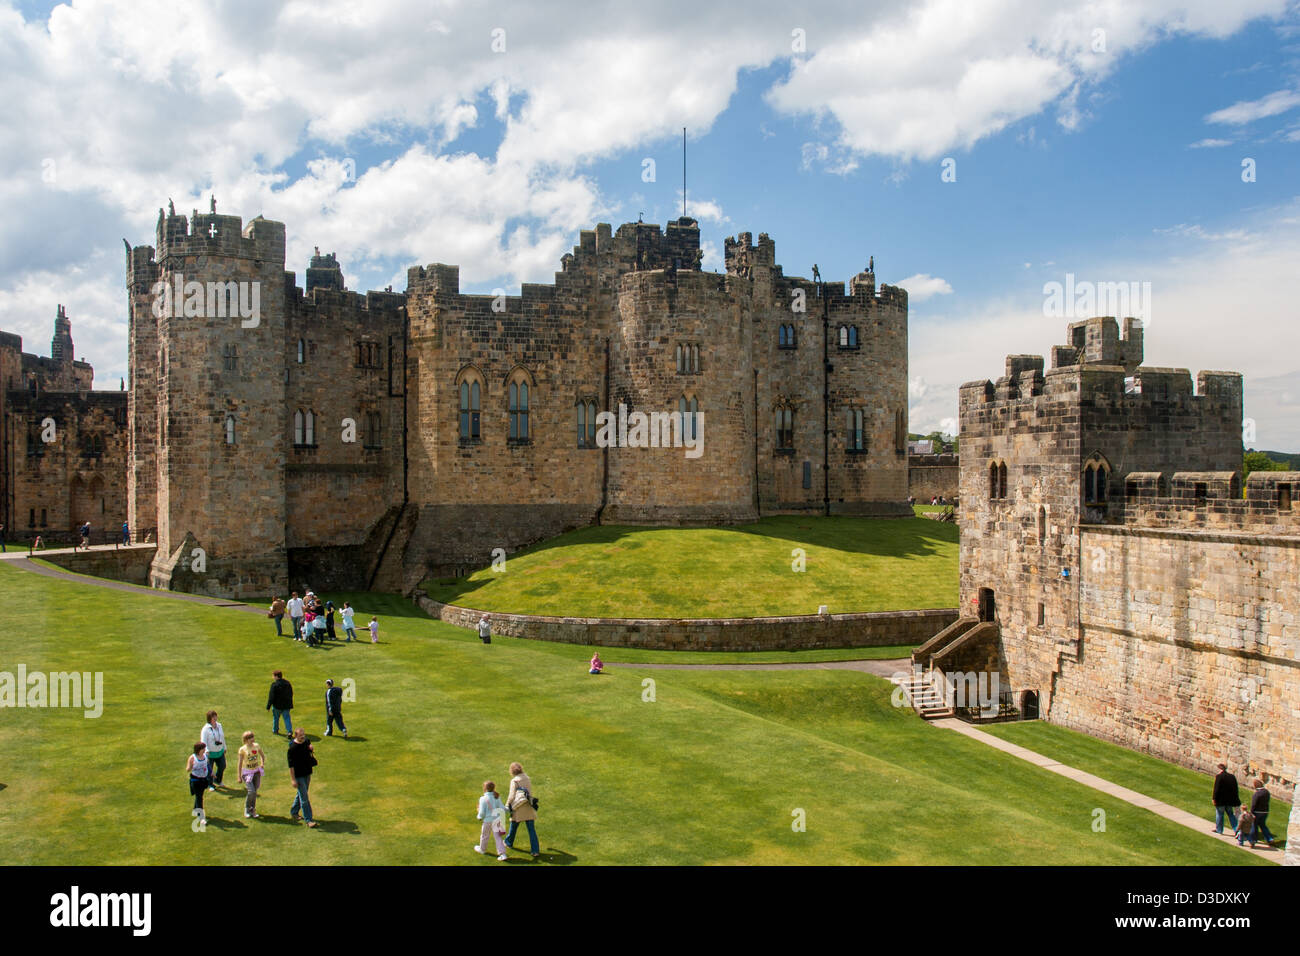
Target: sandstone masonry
{"points": [[473, 414]]}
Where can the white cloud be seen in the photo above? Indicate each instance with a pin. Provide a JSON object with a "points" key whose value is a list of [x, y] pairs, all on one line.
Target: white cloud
{"points": [[923, 286], [704, 210], [945, 74], [1209, 143], [135, 102], [1247, 111], [1202, 321]]}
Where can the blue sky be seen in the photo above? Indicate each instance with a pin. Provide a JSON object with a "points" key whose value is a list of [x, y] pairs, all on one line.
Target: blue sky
{"points": [[1122, 163]]}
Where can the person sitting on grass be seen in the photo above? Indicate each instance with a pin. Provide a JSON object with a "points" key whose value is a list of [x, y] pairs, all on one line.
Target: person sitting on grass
{"points": [[597, 665], [1245, 827]]}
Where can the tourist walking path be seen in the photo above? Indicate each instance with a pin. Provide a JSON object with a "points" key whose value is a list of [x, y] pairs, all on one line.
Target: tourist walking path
{"points": [[20, 560], [879, 668], [1182, 817]]}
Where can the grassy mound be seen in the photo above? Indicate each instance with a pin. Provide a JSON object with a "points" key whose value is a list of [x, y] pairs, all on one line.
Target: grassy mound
{"points": [[851, 564]]}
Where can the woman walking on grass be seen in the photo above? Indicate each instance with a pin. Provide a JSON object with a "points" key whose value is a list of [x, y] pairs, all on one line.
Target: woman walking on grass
{"points": [[349, 625], [522, 809], [214, 739], [198, 769], [252, 763]]}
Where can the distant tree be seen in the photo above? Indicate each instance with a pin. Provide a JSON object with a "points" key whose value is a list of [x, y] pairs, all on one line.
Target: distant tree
{"points": [[1258, 461]]}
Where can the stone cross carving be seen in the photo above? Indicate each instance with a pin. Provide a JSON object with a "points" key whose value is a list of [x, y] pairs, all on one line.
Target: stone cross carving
{"points": [[212, 231]]}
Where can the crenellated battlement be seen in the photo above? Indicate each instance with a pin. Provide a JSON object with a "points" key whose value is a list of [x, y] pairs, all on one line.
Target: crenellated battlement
{"points": [[1097, 371], [211, 234], [1209, 501], [1097, 341]]}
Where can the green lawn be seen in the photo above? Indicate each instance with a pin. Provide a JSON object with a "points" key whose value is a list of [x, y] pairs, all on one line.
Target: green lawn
{"points": [[713, 770], [852, 564], [1177, 786]]}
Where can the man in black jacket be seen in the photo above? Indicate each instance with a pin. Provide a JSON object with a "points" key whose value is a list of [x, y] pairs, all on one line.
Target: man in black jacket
{"points": [[301, 760], [1259, 807], [279, 702], [333, 709], [1226, 799]]}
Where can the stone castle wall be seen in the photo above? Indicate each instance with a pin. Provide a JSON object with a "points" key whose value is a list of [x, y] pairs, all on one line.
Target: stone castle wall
{"points": [[1190, 649], [1149, 612], [931, 475], [796, 632], [51, 488], [227, 499], [607, 331]]}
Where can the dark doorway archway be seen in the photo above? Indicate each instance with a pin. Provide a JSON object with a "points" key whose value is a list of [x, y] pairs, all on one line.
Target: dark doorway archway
{"points": [[1029, 705], [988, 610]]}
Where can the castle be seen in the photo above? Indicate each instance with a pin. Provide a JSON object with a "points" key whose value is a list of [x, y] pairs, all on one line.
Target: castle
{"points": [[62, 444], [1112, 573], [280, 434]]}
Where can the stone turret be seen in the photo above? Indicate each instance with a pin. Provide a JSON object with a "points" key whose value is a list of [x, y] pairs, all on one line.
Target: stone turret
{"points": [[61, 343]]}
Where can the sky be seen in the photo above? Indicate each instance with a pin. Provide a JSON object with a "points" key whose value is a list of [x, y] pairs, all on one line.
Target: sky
{"points": [[980, 150]]}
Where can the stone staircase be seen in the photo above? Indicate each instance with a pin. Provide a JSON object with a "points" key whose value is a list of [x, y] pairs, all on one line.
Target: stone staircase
{"points": [[922, 692]]}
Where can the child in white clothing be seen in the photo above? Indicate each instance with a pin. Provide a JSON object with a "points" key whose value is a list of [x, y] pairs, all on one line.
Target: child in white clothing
{"points": [[493, 814], [374, 630]]}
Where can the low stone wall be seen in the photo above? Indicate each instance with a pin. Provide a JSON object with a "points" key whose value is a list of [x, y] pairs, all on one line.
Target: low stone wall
{"points": [[930, 475], [129, 564], [721, 634]]}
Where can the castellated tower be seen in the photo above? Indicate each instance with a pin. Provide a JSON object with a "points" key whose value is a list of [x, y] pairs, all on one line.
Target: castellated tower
{"points": [[1113, 574], [341, 440], [215, 309]]}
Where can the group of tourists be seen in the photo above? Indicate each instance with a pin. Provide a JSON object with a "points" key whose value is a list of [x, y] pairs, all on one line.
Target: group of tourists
{"points": [[313, 620], [1253, 822], [207, 765], [206, 768]]}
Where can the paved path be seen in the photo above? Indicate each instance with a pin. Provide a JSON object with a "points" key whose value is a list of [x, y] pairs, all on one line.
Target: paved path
{"points": [[880, 668], [19, 559], [1182, 817]]}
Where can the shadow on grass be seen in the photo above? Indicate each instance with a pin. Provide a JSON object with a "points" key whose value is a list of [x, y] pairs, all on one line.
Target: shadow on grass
{"points": [[337, 826], [226, 824], [267, 818], [558, 857]]}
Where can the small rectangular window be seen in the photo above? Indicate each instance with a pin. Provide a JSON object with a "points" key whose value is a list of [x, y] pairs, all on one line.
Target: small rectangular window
{"points": [[1042, 615], [1284, 497], [1200, 492], [807, 474]]}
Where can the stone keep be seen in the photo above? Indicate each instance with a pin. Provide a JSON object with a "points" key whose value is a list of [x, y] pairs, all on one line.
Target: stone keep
{"points": [[1137, 595], [629, 321]]}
